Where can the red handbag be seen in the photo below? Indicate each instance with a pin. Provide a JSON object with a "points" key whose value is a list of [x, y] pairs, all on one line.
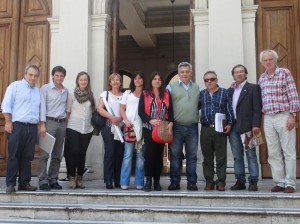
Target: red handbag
{"points": [[129, 134], [161, 134]]}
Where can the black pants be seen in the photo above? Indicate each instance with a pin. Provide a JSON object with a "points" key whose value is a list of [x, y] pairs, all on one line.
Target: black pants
{"points": [[76, 145], [21, 143], [113, 156], [153, 156]]}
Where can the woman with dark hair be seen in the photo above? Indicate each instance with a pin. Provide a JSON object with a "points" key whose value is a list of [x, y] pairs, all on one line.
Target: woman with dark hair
{"points": [[113, 147], [79, 131], [129, 113], [155, 106]]}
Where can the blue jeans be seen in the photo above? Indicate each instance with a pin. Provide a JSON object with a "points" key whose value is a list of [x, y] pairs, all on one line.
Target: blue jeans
{"points": [[237, 149], [187, 135], [127, 164]]}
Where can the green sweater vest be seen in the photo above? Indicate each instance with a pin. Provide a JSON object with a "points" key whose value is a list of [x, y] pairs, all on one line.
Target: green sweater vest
{"points": [[185, 103]]}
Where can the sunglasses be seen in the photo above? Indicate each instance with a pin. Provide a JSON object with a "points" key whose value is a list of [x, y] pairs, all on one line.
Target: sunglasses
{"points": [[210, 79]]}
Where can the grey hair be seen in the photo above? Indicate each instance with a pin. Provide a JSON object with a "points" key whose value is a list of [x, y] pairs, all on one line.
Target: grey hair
{"points": [[274, 53], [185, 64], [31, 66]]}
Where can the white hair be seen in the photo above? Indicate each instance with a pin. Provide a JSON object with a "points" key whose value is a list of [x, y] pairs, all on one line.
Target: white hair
{"points": [[274, 53]]}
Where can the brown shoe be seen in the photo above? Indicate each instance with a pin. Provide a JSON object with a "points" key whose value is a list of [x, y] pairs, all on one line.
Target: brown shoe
{"points": [[289, 189], [26, 187], [277, 189], [209, 187], [221, 187]]}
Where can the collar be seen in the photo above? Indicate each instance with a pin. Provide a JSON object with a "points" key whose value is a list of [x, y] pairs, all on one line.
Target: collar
{"points": [[240, 86], [181, 82], [266, 74], [54, 87], [24, 81]]}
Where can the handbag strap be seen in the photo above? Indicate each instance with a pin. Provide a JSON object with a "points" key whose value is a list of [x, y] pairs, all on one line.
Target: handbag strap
{"points": [[159, 105]]}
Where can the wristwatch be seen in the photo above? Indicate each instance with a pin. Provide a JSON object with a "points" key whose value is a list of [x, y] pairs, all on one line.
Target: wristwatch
{"points": [[293, 114]]}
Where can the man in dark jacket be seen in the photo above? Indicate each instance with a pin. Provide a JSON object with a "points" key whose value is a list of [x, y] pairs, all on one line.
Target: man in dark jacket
{"points": [[247, 105]]}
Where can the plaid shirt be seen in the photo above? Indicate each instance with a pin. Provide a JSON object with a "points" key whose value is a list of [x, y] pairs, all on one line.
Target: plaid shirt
{"points": [[278, 92], [219, 102]]}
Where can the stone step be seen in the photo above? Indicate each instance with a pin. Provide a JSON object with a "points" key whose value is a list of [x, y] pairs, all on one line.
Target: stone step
{"points": [[127, 213], [230, 199]]}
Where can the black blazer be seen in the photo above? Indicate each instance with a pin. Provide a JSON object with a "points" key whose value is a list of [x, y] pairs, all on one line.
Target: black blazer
{"points": [[248, 109]]}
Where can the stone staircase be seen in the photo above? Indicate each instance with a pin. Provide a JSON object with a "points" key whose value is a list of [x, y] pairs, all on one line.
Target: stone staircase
{"points": [[95, 204]]}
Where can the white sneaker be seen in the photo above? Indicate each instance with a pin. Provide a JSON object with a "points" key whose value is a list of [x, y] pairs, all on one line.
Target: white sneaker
{"points": [[124, 187], [139, 187]]}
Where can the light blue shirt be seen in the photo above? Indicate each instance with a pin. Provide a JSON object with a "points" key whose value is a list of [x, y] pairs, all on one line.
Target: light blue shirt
{"points": [[22, 101], [53, 102]]}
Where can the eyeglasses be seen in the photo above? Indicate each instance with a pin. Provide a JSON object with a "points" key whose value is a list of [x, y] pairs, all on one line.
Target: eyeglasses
{"points": [[210, 79]]}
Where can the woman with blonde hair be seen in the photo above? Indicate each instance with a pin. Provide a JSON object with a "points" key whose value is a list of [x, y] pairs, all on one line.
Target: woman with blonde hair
{"points": [[79, 131], [113, 147]]}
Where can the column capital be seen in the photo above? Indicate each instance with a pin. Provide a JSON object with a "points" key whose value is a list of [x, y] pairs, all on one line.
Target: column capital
{"points": [[200, 16], [54, 24], [201, 4], [249, 13], [100, 21]]}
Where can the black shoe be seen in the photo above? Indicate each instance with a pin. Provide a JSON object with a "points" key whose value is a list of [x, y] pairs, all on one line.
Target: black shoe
{"points": [[156, 186], [64, 179], [117, 185], [239, 185], [109, 186], [252, 186], [174, 186], [10, 189], [192, 186], [148, 184], [45, 187], [55, 186], [26, 187]]}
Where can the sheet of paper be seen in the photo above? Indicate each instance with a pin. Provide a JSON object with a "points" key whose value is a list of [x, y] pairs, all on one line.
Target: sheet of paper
{"points": [[219, 117], [46, 143]]}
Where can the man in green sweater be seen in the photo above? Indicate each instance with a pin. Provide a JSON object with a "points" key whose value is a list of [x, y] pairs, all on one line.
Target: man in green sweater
{"points": [[185, 98]]}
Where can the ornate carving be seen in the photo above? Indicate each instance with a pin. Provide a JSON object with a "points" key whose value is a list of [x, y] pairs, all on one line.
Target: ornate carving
{"points": [[6, 8], [37, 7]]}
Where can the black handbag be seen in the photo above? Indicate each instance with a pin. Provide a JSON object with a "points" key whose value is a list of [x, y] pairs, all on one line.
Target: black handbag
{"points": [[97, 120]]}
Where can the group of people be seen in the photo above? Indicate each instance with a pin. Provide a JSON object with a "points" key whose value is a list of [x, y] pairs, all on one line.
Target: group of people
{"points": [[67, 115]]}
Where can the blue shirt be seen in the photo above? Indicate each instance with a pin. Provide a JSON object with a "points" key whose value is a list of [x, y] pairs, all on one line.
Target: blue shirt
{"points": [[53, 102], [22, 101], [218, 102]]}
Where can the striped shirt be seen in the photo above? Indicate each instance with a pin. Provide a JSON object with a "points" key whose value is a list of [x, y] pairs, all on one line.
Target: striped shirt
{"points": [[218, 102], [278, 92]]}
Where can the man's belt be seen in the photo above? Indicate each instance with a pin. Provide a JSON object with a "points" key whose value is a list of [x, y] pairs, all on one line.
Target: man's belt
{"points": [[56, 119], [208, 125]]}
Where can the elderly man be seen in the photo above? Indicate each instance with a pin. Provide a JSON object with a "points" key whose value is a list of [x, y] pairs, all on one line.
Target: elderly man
{"points": [[280, 104], [214, 100], [20, 107], [53, 120], [246, 104], [185, 97]]}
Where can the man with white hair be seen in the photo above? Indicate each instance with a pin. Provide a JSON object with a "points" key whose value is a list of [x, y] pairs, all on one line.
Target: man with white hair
{"points": [[280, 104]]}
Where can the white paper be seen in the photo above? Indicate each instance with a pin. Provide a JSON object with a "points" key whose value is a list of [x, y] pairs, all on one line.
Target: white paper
{"points": [[117, 128], [219, 117], [46, 143]]}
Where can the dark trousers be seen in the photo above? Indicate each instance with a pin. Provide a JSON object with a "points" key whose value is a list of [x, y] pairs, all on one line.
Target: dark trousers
{"points": [[153, 156], [76, 145], [21, 144], [214, 144], [113, 156]]}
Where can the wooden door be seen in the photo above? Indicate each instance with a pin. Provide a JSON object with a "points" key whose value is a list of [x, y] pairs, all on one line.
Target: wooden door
{"points": [[24, 39], [278, 28]]}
